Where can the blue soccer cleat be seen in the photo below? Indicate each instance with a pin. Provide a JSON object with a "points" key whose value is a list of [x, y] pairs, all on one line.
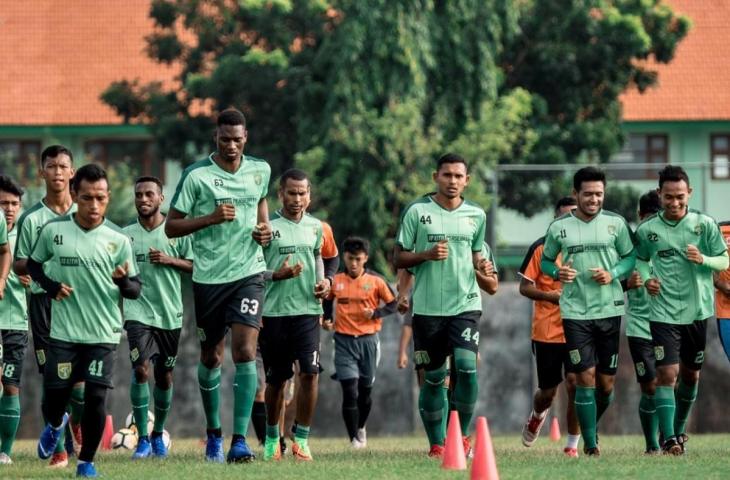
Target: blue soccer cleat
{"points": [[86, 470], [159, 449], [214, 449], [49, 438], [143, 450], [240, 451]]}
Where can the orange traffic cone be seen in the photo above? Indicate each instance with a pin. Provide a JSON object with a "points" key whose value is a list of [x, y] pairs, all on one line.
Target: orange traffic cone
{"points": [[484, 467], [555, 430], [106, 437], [454, 456]]}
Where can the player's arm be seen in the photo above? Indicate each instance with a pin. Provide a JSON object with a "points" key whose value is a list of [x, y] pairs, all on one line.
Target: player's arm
{"points": [[40, 254], [409, 259], [22, 247], [178, 224], [406, 333], [5, 258], [624, 244], [529, 289], [158, 257], [129, 287], [262, 234], [488, 283], [323, 285], [404, 287], [722, 285]]}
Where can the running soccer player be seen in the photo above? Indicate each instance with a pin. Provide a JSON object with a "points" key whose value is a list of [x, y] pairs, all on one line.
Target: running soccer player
{"points": [[221, 201], [292, 312], [357, 294], [153, 321], [722, 297], [596, 247], [548, 342], [684, 247], [56, 169], [13, 319], [440, 240], [89, 264], [638, 334]]}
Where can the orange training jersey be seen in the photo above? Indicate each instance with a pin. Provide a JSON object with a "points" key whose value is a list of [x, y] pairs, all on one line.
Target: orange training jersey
{"points": [[722, 301], [329, 247], [547, 326], [352, 296]]}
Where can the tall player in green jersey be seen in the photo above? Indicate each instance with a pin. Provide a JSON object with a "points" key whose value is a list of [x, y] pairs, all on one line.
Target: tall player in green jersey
{"points": [[597, 249], [684, 247], [85, 263], [292, 311], [13, 322], [440, 240], [56, 170], [153, 321], [221, 201]]}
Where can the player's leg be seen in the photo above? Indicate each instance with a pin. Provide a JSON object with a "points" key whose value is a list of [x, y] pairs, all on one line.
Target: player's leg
{"points": [[141, 348], [692, 356], [167, 346], [368, 365], [258, 411], [13, 345], [304, 342], [723, 331], [346, 369], [607, 336], [642, 354], [666, 339], [581, 352], [61, 366], [464, 336], [571, 416], [549, 362], [273, 341]]}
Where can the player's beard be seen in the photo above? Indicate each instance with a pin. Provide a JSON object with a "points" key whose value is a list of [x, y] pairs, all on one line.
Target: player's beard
{"points": [[151, 214]]}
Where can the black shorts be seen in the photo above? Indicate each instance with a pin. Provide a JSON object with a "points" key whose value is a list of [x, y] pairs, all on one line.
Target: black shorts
{"points": [[151, 343], [219, 306], [12, 351], [39, 315], [673, 343], [551, 360], [69, 363], [642, 354], [593, 343], [285, 340], [435, 337]]}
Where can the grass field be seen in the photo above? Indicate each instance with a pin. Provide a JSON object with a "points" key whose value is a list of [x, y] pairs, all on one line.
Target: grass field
{"points": [[400, 458]]}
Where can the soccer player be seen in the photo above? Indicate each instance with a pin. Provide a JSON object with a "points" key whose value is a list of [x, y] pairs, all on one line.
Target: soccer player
{"points": [[684, 247], [358, 294], [596, 247], [548, 342], [221, 201], [440, 240], [13, 319], [84, 262], [638, 334], [155, 318], [722, 297], [56, 170]]}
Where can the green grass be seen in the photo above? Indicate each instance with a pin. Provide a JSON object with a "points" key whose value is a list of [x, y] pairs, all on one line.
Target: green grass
{"points": [[400, 458]]}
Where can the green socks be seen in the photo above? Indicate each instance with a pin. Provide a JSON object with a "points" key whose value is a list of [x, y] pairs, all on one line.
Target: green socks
{"points": [[209, 381], [245, 383], [585, 409], [9, 420], [649, 421], [272, 432], [685, 397], [431, 404], [76, 404], [140, 396], [163, 400], [465, 393], [665, 407], [301, 434], [602, 402]]}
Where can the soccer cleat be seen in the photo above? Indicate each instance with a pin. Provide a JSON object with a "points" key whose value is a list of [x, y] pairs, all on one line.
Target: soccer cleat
{"points": [[362, 436], [240, 451], [468, 451], [214, 449], [159, 450], [570, 452], [143, 450], [272, 450], [59, 460], [531, 430], [356, 444], [5, 459], [682, 439], [592, 452], [437, 451], [49, 438], [672, 447], [300, 450], [76, 437], [282, 442], [86, 470]]}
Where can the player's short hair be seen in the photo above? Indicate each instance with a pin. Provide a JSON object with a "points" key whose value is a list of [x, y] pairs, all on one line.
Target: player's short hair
{"points": [[672, 173], [91, 173], [588, 174], [450, 158], [293, 173], [649, 203], [8, 185], [231, 116], [355, 245], [566, 202], [149, 178], [53, 151]]}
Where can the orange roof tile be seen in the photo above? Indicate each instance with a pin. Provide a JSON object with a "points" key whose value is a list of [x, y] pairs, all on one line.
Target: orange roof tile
{"points": [[58, 56], [696, 84]]}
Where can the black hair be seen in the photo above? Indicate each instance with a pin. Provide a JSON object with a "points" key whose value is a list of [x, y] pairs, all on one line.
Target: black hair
{"points": [[53, 151], [8, 185], [672, 173], [91, 173], [231, 116], [294, 174], [565, 202], [450, 158], [649, 203], [588, 174], [355, 245], [149, 178]]}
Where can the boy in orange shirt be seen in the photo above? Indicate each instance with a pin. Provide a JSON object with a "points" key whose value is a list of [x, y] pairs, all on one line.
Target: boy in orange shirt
{"points": [[722, 296]]}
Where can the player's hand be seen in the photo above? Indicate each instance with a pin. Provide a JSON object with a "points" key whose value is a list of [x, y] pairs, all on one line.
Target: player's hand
{"points": [[368, 312], [158, 257], [121, 271], [601, 276], [262, 234], [328, 324], [25, 280], [554, 296], [653, 285], [402, 360], [322, 288], [286, 271], [63, 292], [225, 212], [634, 281], [440, 251], [567, 273], [403, 304], [485, 267], [694, 255]]}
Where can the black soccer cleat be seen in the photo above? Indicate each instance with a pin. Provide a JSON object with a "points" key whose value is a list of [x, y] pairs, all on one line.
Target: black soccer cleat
{"points": [[672, 447]]}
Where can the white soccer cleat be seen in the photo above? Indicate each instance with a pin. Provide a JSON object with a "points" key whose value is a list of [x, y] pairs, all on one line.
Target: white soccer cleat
{"points": [[356, 444], [532, 427], [362, 436], [5, 459]]}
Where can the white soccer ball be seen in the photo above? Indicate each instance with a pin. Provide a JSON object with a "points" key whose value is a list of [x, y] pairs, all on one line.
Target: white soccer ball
{"points": [[129, 421], [125, 438]]}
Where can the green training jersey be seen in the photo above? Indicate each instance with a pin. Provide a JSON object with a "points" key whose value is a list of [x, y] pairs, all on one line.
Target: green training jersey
{"points": [[598, 243], [84, 260], [637, 313], [225, 252], [687, 292], [160, 304], [444, 287], [29, 226], [303, 241], [13, 306]]}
